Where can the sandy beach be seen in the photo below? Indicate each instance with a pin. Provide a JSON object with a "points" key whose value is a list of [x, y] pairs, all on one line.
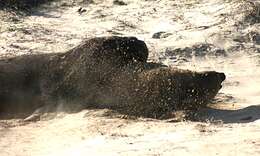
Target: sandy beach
{"points": [[220, 35]]}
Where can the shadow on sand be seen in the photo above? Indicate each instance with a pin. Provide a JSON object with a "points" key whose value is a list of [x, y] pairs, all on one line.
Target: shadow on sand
{"points": [[245, 115]]}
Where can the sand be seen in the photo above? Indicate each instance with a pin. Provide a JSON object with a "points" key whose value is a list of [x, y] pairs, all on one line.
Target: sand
{"points": [[216, 35]]}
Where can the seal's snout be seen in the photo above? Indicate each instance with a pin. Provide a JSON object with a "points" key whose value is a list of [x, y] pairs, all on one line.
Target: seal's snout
{"points": [[222, 76]]}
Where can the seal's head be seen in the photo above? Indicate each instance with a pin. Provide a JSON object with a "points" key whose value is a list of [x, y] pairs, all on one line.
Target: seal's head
{"points": [[120, 50], [203, 88]]}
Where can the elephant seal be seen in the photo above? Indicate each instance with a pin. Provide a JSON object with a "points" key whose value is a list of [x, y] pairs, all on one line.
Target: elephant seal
{"points": [[155, 90], [103, 72], [30, 81]]}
